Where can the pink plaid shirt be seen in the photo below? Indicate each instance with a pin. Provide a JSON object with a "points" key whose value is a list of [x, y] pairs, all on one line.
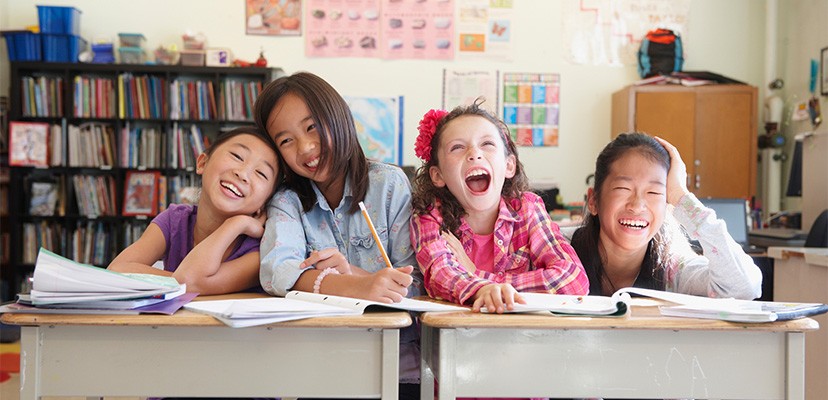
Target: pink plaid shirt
{"points": [[529, 253]]}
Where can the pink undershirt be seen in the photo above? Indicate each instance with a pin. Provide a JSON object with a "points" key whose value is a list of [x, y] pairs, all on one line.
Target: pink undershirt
{"points": [[483, 252]]}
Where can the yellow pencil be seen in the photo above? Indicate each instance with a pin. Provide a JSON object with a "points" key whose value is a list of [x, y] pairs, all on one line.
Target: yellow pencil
{"points": [[376, 236]]}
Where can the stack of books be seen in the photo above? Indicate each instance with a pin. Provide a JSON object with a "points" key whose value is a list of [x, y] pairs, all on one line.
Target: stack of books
{"points": [[63, 286]]}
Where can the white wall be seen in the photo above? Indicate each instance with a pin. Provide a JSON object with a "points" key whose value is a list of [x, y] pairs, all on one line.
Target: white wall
{"points": [[803, 32], [725, 37]]}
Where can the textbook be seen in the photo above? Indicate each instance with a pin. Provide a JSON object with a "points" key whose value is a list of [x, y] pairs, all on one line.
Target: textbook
{"points": [[60, 280], [298, 305], [686, 305], [160, 306]]}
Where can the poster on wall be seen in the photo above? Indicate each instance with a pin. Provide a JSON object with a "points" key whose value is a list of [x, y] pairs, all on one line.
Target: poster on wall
{"points": [[418, 30], [273, 17], [342, 29], [464, 87], [378, 123], [531, 107], [609, 32], [484, 29]]}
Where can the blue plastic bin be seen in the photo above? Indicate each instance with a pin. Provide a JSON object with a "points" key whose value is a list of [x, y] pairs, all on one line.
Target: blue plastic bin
{"points": [[59, 20], [22, 45], [62, 48]]}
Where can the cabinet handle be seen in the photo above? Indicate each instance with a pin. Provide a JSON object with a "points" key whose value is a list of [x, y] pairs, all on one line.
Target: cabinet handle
{"points": [[698, 181]]}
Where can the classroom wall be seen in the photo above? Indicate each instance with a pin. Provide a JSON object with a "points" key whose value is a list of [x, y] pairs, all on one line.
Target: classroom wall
{"points": [[803, 32], [725, 37]]}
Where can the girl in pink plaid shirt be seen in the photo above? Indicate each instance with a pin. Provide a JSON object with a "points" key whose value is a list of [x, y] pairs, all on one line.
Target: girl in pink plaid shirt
{"points": [[479, 235]]}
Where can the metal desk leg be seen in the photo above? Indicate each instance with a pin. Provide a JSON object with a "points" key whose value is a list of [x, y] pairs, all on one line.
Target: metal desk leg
{"points": [[390, 364], [795, 349]]}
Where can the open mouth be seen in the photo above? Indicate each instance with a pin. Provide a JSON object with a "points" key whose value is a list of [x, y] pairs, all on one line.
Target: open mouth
{"points": [[633, 223], [478, 180], [313, 163], [232, 188]]}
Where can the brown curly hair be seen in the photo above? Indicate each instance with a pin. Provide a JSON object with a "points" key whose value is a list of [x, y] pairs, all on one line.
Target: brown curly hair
{"points": [[425, 194]]}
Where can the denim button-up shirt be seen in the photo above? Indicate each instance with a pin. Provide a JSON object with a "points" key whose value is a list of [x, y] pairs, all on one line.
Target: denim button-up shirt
{"points": [[291, 234]]}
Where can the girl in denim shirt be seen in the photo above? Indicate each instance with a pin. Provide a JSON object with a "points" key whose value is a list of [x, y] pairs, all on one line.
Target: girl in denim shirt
{"points": [[316, 239]]}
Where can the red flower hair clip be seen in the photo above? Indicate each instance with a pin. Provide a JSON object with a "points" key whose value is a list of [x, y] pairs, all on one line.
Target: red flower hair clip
{"points": [[427, 128]]}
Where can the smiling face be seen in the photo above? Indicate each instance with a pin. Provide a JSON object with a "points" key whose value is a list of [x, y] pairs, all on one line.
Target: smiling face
{"points": [[239, 176], [631, 203], [295, 133], [472, 163]]}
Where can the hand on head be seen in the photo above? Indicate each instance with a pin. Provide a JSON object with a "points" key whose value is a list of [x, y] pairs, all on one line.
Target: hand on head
{"points": [[497, 297], [677, 176]]}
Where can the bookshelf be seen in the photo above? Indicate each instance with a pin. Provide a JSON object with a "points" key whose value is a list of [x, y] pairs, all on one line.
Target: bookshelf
{"points": [[107, 122]]}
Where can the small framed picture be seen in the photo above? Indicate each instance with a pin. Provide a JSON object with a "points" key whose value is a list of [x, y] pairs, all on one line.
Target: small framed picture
{"points": [[28, 144], [141, 193], [43, 198], [823, 67]]}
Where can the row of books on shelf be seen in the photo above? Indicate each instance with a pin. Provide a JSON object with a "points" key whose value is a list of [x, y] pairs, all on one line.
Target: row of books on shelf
{"points": [[94, 97], [90, 242], [93, 144], [146, 193], [42, 96], [141, 97]]}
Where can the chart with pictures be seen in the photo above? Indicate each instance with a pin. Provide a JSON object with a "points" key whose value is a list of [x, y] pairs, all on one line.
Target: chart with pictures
{"points": [[338, 28], [531, 107]]}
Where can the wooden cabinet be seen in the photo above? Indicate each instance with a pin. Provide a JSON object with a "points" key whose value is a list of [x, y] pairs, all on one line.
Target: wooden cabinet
{"points": [[714, 128]]}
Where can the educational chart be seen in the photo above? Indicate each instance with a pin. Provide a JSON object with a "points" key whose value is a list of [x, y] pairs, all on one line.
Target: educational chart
{"points": [[378, 123], [464, 87], [273, 17], [336, 28], [531, 107], [416, 29], [609, 32], [484, 29]]}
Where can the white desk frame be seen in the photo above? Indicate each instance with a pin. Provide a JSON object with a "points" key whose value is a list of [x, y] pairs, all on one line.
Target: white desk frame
{"points": [[572, 357], [96, 356]]}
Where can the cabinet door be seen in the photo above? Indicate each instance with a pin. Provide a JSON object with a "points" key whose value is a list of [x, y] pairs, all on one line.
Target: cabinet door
{"points": [[724, 138], [671, 116]]}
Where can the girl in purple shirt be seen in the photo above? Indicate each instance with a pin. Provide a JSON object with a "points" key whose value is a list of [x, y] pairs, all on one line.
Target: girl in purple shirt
{"points": [[213, 247]]}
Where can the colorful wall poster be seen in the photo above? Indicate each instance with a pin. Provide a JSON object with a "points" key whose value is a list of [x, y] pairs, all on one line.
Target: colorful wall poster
{"points": [[531, 107], [484, 29], [273, 17], [378, 123], [609, 32], [342, 28], [417, 29], [464, 87]]}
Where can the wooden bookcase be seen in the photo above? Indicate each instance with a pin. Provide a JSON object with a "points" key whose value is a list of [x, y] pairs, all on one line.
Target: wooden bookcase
{"points": [[714, 128], [134, 111]]}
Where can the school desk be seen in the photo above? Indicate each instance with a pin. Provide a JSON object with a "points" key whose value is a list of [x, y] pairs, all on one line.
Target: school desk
{"points": [[642, 355], [193, 355]]}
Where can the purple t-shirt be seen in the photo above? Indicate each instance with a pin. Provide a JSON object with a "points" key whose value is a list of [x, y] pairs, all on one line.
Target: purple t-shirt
{"points": [[177, 224]]}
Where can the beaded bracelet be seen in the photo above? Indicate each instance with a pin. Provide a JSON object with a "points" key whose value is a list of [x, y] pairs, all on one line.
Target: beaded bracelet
{"points": [[318, 282]]}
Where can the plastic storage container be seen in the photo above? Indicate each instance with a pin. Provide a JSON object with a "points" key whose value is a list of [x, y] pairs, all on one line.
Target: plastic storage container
{"points": [[131, 39], [103, 53], [22, 45], [61, 48], [132, 55], [59, 20], [192, 58]]}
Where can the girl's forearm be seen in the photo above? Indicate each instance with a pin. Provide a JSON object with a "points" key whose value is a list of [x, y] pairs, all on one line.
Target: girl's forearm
{"points": [[205, 259]]}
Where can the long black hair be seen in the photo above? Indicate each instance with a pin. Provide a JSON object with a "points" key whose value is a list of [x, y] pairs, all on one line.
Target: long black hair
{"points": [[341, 155], [586, 240], [426, 193]]}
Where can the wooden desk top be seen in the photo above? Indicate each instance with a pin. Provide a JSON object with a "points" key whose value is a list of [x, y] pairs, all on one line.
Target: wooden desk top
{"points": [[387, 320], [644, 314], [813, 255]]}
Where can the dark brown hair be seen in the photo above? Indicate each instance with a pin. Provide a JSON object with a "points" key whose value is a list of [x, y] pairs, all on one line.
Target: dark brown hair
{"points": [[341, 155], [260, 134], [585, 240], [425, 193]]}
